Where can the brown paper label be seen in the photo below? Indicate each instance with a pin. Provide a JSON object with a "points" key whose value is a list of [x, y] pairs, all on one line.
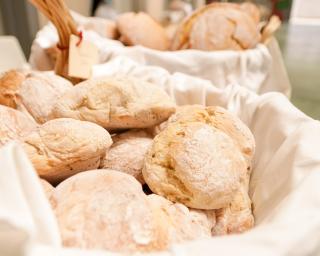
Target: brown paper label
{"points": [[81, 58]]}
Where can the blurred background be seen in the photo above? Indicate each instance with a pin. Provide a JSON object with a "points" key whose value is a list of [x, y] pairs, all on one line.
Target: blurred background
{"points": [[299, 36]]}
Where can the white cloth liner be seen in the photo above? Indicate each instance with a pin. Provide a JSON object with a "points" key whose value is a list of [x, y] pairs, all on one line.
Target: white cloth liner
{"points": [[260, 70], [284, 185]]}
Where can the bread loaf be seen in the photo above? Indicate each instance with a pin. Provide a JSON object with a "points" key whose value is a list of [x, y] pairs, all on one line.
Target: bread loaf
{"points": [[182, 224], [218, 26], [14, 125], [62, 147], [141, 29], [105, 209], [116, 103], [194, 164], [127, 153], [9, 87], [40, 91]]}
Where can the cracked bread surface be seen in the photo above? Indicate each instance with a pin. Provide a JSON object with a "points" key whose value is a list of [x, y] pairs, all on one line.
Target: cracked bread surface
{"points": [[14, 125], [194, 164], [219, 26], [107, 209], [116, 103], [127, 153], [62, 147]]}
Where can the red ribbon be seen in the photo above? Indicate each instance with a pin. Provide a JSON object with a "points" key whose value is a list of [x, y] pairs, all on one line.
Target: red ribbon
{"points": [[80, 38]]}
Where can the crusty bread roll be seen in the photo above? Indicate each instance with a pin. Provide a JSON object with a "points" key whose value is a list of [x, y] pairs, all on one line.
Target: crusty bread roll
{"points": [[236, 217], [116, 103], [127, 153], [218, 26], [62, 147], [195, 164], [219, 118], [106, 209], [183, 224], [48, 190], [14, 125], [9, 86], [141, 29], [39, 91]]}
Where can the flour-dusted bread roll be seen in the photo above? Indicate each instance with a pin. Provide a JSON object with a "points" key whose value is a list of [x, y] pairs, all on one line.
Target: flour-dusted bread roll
{"points": [[127, 153], [39, 92], [14, 125], [219, 118], [141, 29], [116, 103], [182, 224], [237, 217], [62, 147], [218, 26], [240, 133], [9, 86], [48, 190], [105, 209], [204, 219], [194, 164]]}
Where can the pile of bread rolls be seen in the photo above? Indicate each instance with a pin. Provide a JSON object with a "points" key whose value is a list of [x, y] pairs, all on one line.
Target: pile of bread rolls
{"points": [[123, 167]]}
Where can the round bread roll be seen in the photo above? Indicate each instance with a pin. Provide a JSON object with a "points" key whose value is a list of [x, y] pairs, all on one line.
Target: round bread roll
{"points": [[48, 190], [236, 217], [106, 209], [194, 164], [183, 225], [9, 86], [127, 153], [14, 125], [218, 26], [116, 103], [220, 29], [39, 92], [62, 147], [219, 118], [141, 29]]}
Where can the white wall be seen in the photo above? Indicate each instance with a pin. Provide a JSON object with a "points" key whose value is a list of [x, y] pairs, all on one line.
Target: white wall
{"points": [[305, 12]]}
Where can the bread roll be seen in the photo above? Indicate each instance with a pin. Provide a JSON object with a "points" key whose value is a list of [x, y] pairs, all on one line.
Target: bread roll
{"points": [[127, 153], [14, 125], [194, 164], [237, 217], [106, 209], [141, 29], [116, 103], [40, 91], [219, 118], [62, 147], [9, 86], [218, 26], [183, 224]]}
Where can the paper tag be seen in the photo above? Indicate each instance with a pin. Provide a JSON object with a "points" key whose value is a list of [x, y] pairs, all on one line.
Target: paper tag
{"points": [[81, 58]]}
